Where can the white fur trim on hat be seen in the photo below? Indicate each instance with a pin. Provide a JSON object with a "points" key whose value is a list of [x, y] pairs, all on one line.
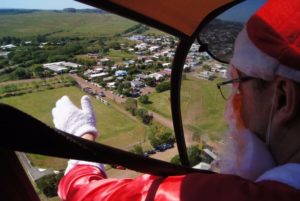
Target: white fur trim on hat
{"points": [[253, 62]]}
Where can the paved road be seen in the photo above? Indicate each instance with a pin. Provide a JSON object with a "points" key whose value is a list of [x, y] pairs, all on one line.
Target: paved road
{"points": [[33, 172]]}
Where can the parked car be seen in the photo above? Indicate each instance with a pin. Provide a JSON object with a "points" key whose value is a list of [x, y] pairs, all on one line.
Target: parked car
{"points": [[151, 151]]}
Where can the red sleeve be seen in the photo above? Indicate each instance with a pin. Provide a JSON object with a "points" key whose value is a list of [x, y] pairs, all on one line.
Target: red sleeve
{"points": [[87, 183]]}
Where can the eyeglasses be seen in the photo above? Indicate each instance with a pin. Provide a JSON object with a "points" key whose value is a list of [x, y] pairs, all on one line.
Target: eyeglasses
{"points": [[225, 92]]}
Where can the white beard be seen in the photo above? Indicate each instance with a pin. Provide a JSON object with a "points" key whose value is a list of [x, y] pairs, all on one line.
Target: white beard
{"points": [[244, 154]]}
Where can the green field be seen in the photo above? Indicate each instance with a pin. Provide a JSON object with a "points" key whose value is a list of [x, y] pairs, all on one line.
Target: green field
{"points": [[63, 24], [116, 128], [202, 107], [160, 104]]}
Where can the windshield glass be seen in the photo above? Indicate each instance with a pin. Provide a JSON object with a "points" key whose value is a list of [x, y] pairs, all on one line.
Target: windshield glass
{"points": [[220, 33], [75, 50]]}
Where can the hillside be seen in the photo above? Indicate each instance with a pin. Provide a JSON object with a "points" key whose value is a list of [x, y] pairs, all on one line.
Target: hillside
{"points": [[61, 24]]}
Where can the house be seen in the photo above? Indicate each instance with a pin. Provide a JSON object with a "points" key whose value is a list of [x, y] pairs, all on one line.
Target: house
{"points": [[104, 61], [137, 84], [61, 66], [156, 76], [166, 65], [10, 46], [131, 62], [98, 70], [92, 76], [111, 85], [119, 73], [154, 48], [166, 71], [4, 54], [106, 79], [140, 76], [141, 46], [27, 42], [148, 61], [113, 67], [56, 67]]}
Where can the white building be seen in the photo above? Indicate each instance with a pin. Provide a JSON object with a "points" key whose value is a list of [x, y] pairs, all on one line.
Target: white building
{"points": [[156, 76], [61, 66], [10, 46], [97, 75], [111, 85]]}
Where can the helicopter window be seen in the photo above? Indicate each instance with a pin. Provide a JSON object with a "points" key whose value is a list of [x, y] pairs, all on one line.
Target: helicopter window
{"points": [[217, 37], [122, 65]]}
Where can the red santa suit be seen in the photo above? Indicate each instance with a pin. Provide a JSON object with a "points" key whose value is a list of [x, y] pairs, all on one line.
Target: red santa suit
{"points": [[88, 182]]}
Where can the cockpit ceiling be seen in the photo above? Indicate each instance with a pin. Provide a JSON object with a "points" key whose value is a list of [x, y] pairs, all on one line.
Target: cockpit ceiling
{"points": [[182, 16]]}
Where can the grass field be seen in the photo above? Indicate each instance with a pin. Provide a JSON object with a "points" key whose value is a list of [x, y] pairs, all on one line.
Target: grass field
{"points": [[160, 104], [63, 24], [118, 55], [202, 107], [116, 128]]}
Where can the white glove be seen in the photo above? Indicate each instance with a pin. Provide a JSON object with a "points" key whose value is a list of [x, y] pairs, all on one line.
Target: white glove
{"points": [[69, 118]]}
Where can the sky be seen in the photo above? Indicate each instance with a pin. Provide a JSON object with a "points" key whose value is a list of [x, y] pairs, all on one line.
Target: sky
{"points": [[242, 11], [42, 4]]}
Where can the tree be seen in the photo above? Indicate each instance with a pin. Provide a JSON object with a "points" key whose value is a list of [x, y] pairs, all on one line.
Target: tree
{"points": [[176, 160], [144, 99], [194, 155], [130, 105], [143, 115], [21, 73], [150, 82], [137, 149], [164, 86], [38, 70], [48, 184]]}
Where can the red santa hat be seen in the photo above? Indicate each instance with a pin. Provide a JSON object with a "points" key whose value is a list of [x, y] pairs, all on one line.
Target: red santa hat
{"points": [[269, 45]]}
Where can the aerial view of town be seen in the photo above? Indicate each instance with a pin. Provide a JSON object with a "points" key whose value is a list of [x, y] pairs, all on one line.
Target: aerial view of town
{"points": [[125, 68]]}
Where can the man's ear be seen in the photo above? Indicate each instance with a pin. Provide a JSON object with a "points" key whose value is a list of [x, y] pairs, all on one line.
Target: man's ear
{"points": [[287, 97]]}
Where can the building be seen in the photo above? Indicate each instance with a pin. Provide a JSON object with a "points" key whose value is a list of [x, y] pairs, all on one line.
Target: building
{"points": [[156, 76], [62, 66], [111, 85], [137, 84], [119, 73], [92, 76], [9, 46], [4, 54]]}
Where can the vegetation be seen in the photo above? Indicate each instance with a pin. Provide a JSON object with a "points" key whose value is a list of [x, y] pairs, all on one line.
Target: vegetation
{"points": [[164, 86], [158, 135], [137, 149], [49, 184], [143, 114], [121, 133], [41, 23], [17, 89], [144, 99], [194, 155], [130, 105]]}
